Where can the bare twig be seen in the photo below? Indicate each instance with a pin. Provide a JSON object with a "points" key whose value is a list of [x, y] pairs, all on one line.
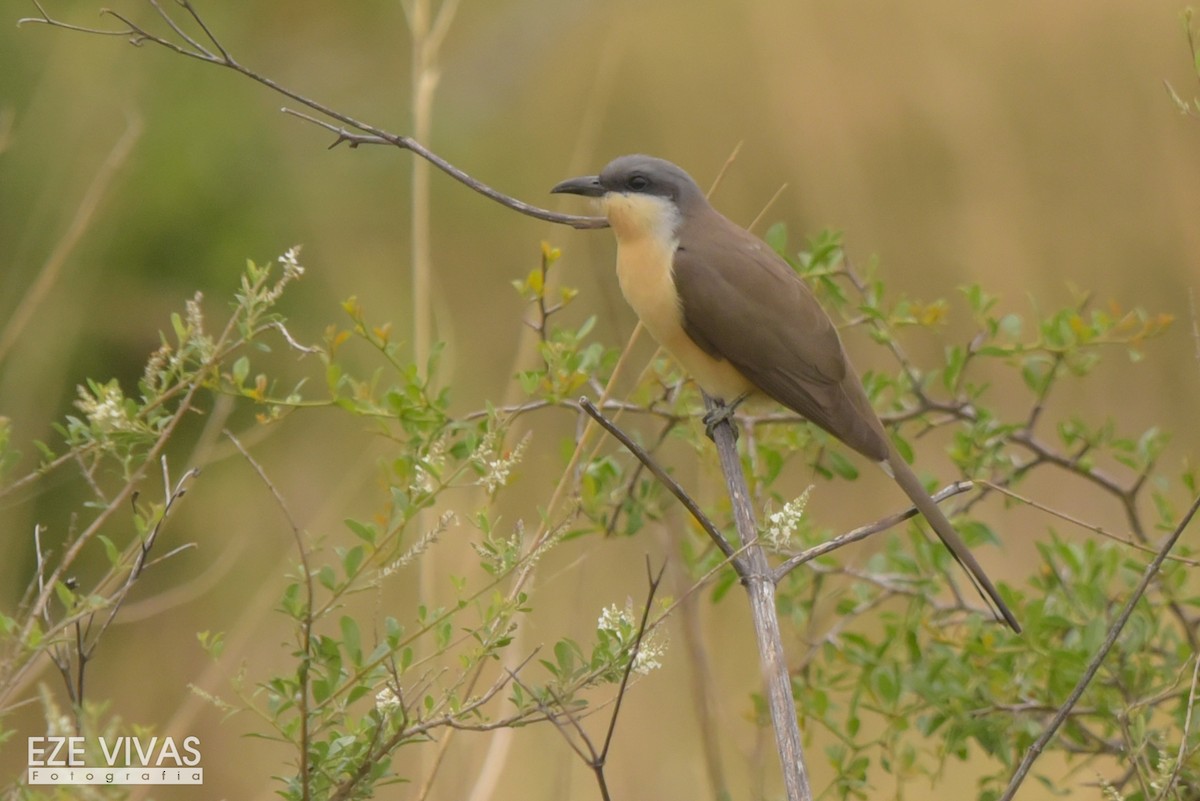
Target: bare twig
{"points": [[356, 132], [750, 562], [657, 471], [173, 495], [862, 532], [1184, 736], [302, 711], [596, 759], [377, 137], [1089, 674], [654, 580], [1103, 532], [778, 192]]}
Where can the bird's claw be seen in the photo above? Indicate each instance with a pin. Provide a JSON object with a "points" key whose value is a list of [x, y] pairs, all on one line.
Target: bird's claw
{"points": [[721, 412]]}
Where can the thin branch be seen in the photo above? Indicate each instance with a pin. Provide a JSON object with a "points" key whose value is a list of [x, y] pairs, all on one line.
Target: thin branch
{"points": [[1183, 738], [862, 532], [758, 578], [173, 494], [377, 137], [733, 154], [373, 135], [1103, 532], [778, 192], [630, 488], [302, 708], [654, 580], [657, 471], [1089, 674], [588, 756], [597, 759]]}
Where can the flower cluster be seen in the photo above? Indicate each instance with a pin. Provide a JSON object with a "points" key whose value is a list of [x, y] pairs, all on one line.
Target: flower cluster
{"points": [[497, 466], [622, 626], [782, 525]]}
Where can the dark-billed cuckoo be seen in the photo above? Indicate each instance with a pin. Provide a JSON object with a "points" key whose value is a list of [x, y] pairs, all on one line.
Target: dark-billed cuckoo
{"points": [[740, 320]]}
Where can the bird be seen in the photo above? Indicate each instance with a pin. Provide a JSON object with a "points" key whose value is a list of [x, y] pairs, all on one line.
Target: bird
{"points": [[742, 322]]}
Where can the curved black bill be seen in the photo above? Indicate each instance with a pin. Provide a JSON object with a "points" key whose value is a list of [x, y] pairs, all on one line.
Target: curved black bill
{"points": [[586, 185]]}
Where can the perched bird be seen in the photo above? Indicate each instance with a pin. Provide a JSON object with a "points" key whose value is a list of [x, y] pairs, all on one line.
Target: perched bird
{"points": [[741, 321]]}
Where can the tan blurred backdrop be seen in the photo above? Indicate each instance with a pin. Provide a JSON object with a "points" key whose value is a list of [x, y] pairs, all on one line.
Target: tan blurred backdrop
{"points": [[1030, 147]]}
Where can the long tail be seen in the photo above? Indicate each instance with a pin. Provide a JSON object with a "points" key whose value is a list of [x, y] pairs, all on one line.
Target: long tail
{"points": [[912, 487]]}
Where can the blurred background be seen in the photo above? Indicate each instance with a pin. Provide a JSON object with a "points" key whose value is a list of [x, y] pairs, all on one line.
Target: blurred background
{"points": [[1032, 148]]}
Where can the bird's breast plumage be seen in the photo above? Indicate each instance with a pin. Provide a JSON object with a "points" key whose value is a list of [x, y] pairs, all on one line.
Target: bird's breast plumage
{"points": [[646, 250]]}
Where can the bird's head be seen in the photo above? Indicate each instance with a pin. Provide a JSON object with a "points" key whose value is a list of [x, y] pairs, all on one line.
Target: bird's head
{"points": [[640, 195]]}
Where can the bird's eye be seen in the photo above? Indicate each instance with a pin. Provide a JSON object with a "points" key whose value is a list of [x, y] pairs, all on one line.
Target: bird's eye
{"points": [[638, 183]]}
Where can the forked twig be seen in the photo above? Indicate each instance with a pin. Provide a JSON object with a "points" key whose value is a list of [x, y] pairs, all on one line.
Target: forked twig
{"points": [[596, 759], [352, 131]]}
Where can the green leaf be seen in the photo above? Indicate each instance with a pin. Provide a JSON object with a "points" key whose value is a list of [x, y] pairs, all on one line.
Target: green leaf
{"points": [[66, 596], [241, 369], [353, 560], [903, 447], [178, 326], [777, 238], [110, 550], [842, 466], [363, 531], [327, 578], [956, 359], [351, 640], [564, 655]]}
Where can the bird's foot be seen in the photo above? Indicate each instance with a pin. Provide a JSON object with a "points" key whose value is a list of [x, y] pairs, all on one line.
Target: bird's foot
{"points": [[720, 412]]}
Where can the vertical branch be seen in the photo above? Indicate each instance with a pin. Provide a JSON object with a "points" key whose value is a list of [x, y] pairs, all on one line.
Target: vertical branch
{"points": [[424, 80], [426, 36], [306, 625], [750, 563], [760, 586]]}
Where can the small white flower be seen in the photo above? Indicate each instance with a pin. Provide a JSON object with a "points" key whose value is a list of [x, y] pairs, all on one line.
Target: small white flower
{"points": [[497, 467], [782, 525], [195, 316], [622, 625], [426, 470], [158, 361], [291, 264], [105, 410], [613, 619], [423, 544], [386, 700]]}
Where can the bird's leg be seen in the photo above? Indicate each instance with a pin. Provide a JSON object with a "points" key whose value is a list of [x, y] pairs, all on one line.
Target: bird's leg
{"points": [[721, 411]]}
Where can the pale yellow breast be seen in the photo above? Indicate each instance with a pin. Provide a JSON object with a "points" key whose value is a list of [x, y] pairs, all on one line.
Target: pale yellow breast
{"points": [[645, 254]]}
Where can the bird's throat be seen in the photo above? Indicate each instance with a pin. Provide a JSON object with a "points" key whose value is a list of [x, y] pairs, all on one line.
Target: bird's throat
{"points": [[635, 217]]}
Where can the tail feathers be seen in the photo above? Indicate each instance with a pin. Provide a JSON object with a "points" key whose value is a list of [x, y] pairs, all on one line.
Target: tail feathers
{"points": [[913, 488]]}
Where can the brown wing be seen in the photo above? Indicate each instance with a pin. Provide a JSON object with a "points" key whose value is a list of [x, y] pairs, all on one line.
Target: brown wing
{"points": [[743, 303]]}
